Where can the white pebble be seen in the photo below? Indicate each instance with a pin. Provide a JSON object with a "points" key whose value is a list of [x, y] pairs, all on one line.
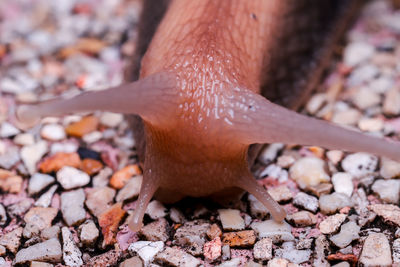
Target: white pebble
{"points": [[31, 155], [111, 119], [357, 52], [388, 190], [342, 183], [309, 171], [72, 256], [360, 164], [231, 219], [24, 139], [70, 177], [53, 132], [8, 130]]}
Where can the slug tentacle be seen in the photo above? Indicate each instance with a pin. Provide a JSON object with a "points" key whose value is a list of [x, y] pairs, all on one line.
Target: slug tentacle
{"points": [[257, 120], [140, 97], [249, 184]]}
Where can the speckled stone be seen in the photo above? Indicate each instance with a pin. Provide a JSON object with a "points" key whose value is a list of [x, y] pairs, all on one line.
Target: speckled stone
{"points": [[12, 240], [49, 251], [360, 164], [263, 249], [376, 251], [177, 257], [72, 256], [306, 201], [302, 218]]}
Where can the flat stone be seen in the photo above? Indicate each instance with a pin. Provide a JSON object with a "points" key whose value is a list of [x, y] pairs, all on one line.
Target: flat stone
{"points": [[348, 233], [40, 264], [99, 199], [273, 230], [244, 238], [302, 218], [49, 251], [289, 252], [309, 171], [177, 257], [132, 262], [146, 250], [89, 233], [24, 139], [38, 182], [360, 164], [31, 155], [45, 199], [346, 117], [306, 202], [72, 256], [388, 190], [50, 232], [263, 249], [231, 219], [12, 240], [331, 203], [213, 249], [72, 207], [280, 193], [70, 177], [53, 132], [59, 160], [388, 212], [84, 126], [156, 210], [156, 231], [376, 251], [40, 217], [332, 223], [371, 124], [342, 183], [192, 235], [389, 168], [109, 221]]}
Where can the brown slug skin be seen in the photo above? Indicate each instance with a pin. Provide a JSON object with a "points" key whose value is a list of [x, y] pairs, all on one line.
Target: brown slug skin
{"points": [[198, 96]]}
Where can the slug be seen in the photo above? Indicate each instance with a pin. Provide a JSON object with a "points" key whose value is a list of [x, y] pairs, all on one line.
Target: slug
{"points": [[199, 94]]}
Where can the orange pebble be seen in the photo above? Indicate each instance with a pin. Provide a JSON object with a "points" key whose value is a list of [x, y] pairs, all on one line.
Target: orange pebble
{"points": [[59, 160], [85, 125], [109, 222], [121, 177], [91, 166]]}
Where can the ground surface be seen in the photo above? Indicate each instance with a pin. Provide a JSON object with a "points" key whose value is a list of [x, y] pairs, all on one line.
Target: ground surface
{"points": [[69, 184]]}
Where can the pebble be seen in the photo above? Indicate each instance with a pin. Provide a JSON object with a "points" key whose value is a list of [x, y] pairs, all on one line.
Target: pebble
{"points": [[348, 233], [388, 212], [130, 190], [146, 250], [363, 73], [70, 177], [244, 238], [331, 203], [269, 153], [389, 168], [88, 233], [316, 102], [309, 171], [302, 218], [285, 161], [9, 182], [193, 236], [391, 102], [371, 124], [396, 251], [388, 190], [360, 164], [20, 208], [366, 98], [3, 215], [8, 130], [342, 183], [357, 52], [156, 210], [271, 229], [72, 256], [289, 252], [53, 132], [231, 219], [12, 240], [10, 157], [156, 231], [376, 251], [263, 249], [109, 221], [306, 201], [335, 156], [277, 262], [280, 193], [332, 223], [59, 160], [72, 207], [40, 264], [31, 155], [231, 263], [213, 249], [38, 182], [120, 178], [132, 262], [257, 209], [2, 251], [84, 126], [91, 166], [101, 179], [99, 199], [177, 257], [346, 117], [50, 232], [109, 258], [49, 251], [45, 199], [214, 231], [40, 217], [110, 119]]}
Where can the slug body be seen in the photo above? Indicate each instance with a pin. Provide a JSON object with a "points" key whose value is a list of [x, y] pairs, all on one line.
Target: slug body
{"points": [[199, 96]]}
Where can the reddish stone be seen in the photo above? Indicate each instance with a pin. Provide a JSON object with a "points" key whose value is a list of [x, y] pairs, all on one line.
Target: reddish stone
{"points": [[121, 177], [109, 222], [10, 182], [91, 166], [212, 249], [59, 160], [84, 126], [239, 239], [343, 257]]}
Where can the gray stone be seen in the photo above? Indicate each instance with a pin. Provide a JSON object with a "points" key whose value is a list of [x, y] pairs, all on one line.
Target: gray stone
{"points": [[9, 158], [306, 202], [50, 232], [289, 252], [12, 240], [396, 251], [388, 190], [263, 249], [156, 231], [231, 263], [321, 246], [348, 233], [177, 257], [131, 189], [102, 178], [271, 229], [193, 236], [72, 207], [19, 208], [49, 251], [72, 256], [376, 251], [45, 199], [156, 210], [38, 182], [89, 233], [99, 199], [331, 203]]}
